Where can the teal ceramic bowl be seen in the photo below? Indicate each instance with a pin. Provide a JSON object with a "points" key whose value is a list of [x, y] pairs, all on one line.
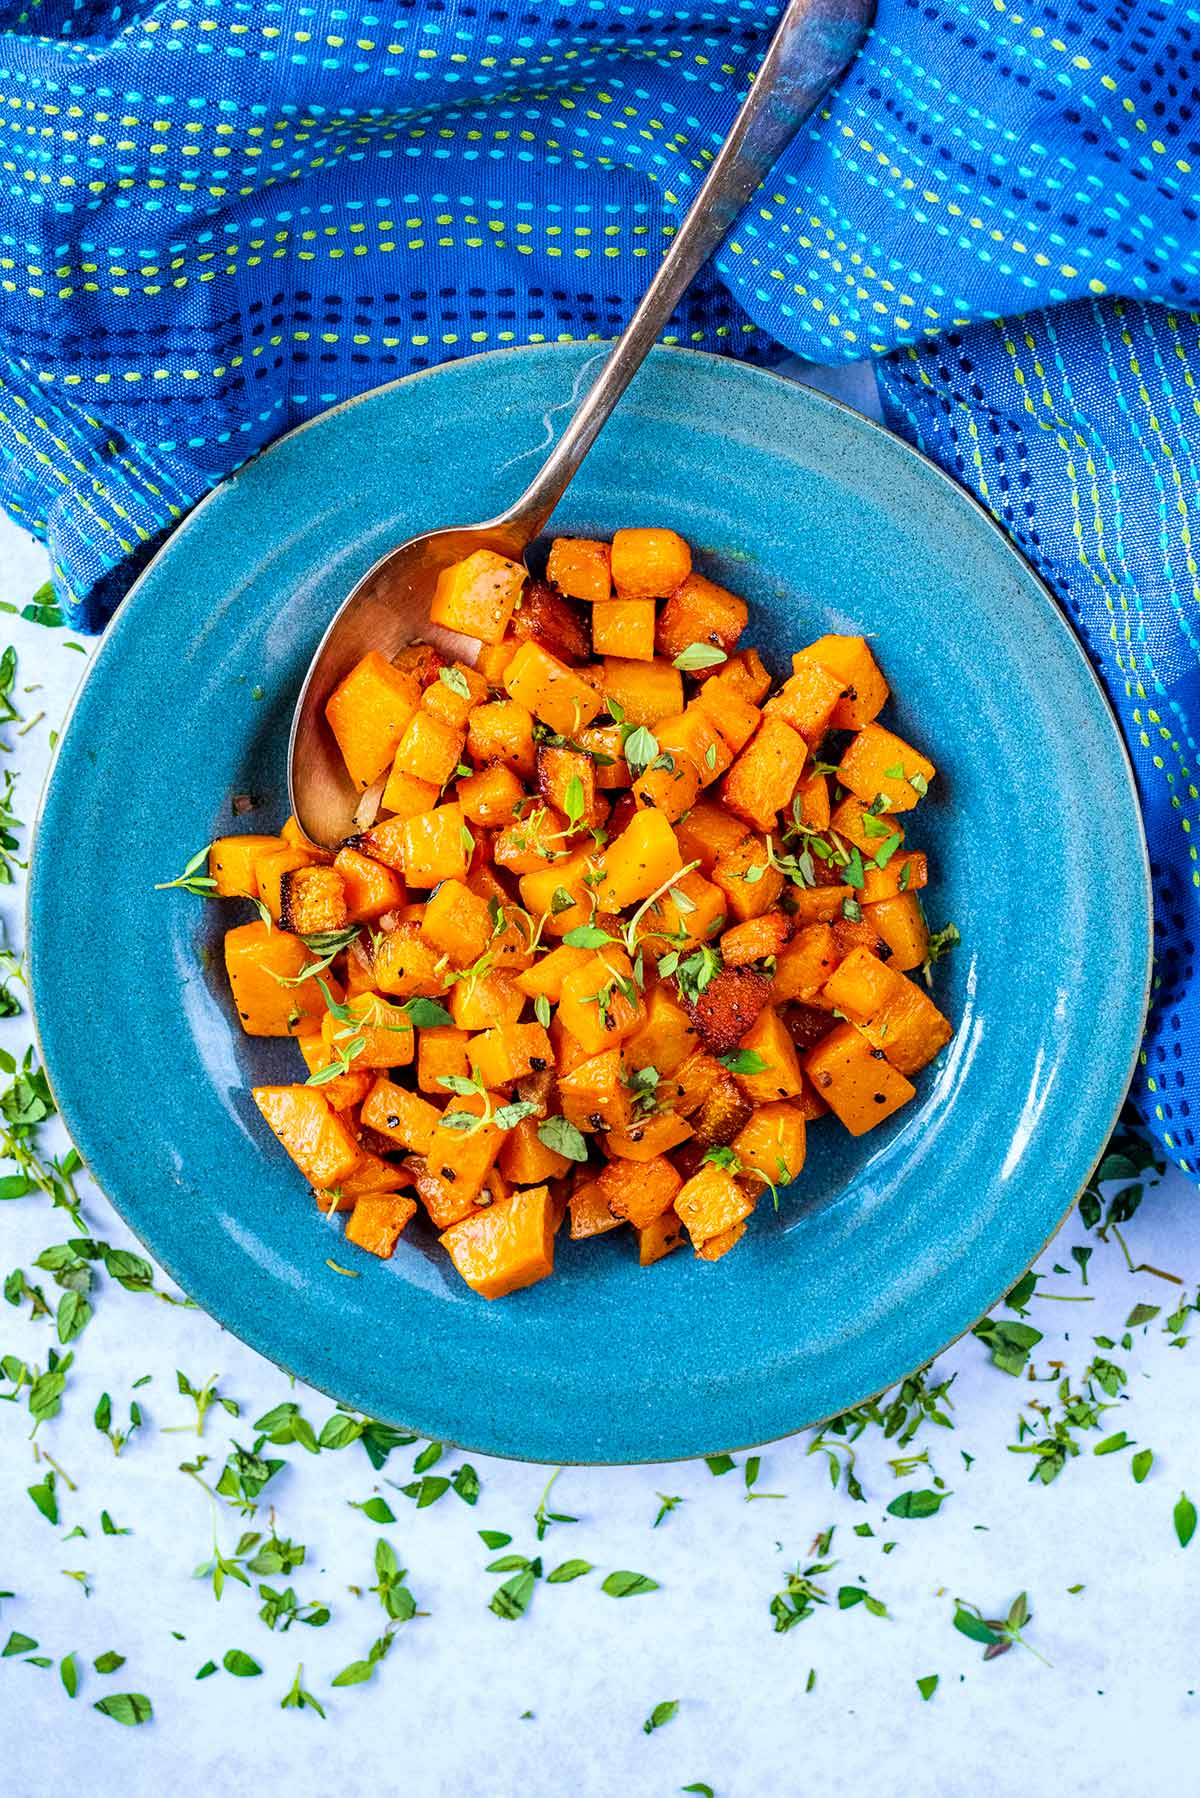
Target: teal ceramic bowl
{"points": [[888, 1247]]}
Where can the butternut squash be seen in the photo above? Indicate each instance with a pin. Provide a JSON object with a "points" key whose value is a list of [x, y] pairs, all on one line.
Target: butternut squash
{"points": [[624, 627], [699, 611], [436, 846], [368, 713], [508, 1246], [639, 1193], [893, 1013], [377, 1221], [901, 924], [550, 690], [762, 780], [649, 563], [233, 863], [457, 923], [876, 761], [856, 1081], [313, 1134], [581, 568], [490, 797], [257, 961], [864, 690], [642, 692], [441, 1054], [477, 595], [369, 888], [711, 1202]]}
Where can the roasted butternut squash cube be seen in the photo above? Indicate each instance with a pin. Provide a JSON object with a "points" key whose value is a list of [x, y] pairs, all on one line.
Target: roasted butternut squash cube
{"points": [[457, 923], [531, 842], [693, 733], [638, 862], [313, 1134], [270, 869], [901, 924], [385, 1032], [690, 1086], [899, 874], [548, 972], [711, 1202], [648, 1138], [734, 716], [649, 563], [581, 567], [820, 904], [561, 891], [728, 1005], [477, 595], [509, 1052], [312, 901], [748, 676], [525, 1159], [642, 692], [464, 1156], [556, 694], [810, 802], [342, 1091], [482, 1000], [430, 749], [699, 611], [877, 761], [441, 1053], [666, 1038], [600, 1003], [690, 912], [808, 699], [443, 1203], [506, 1247], [377, 1221], [437, 846], [490, 797], [857, 933], [893, 1013], [368, 713], [856, 1081], [370, 889], [669, 785], [659, 1238], [806, 964], [762, 780], [707, 832], [502, 731], [400, 1115], [744, 874], [604, 743], [232, 863], [624, 627], [757, 939], [773, 1143], [567, 782], [257, 959], [715, 1246], [867, 830], [421, 660], [779, 1076], [639, 1192], [865, 691], [590, 1215], [373, 1174], [594, 1095], [405, 964], [558, 624], [493, 659], [455, 693]]}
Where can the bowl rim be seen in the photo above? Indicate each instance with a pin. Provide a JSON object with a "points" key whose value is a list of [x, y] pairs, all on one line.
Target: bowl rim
{"points": [[858, 421]]}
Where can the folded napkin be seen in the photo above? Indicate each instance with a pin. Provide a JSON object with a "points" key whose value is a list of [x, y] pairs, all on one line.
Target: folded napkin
{"points": [[216, 220]]}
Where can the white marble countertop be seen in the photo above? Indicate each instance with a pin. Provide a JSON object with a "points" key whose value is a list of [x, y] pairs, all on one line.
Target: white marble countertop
{"points": [[554, 1703]]}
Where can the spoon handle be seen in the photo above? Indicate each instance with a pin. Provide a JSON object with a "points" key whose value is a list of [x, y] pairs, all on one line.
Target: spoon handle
{"points": [[813, 43]]}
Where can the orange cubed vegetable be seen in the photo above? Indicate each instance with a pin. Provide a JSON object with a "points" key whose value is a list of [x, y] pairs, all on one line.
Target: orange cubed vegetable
{"points": [[441, 1054], [465, 1157], [370, 888], [690, 1087], [638, 861], [477, 595], [734, 716], [558, 624], [490, 797], [711, 1202], [877, 761], [368, 712], [713, 1247], [603, 743], [648, 1138], [581, 568], [691, 911], [808, 699], [457, 923], [444, 1204], [532, 841], [525, 1159], [746, 674], [699, 611], [502, 731], [756, 939], [806, 964], [901, 924], [865, 829], [590, 1215], [342, 1091], [430, 749], [779, 1076], [856, 1081], [773, 1143], [509, 1052], [421, 660], [707, 832], [400, 1115], [639, 1191], [404, 964], [762, 780], [315, 1137], [405, 795], [455, 693], [386, 1032], [899, 874], [556, 694], [506, 1247], [820, 904], [478, 1003], [600, 1003], [594, 1095], [642, 692], [649, 563], [493, 659], [666, 1038], [546, 976], [744, 874], [270, 869], [893, 1013], [256, 960], [624, 627], [232, 863], [377, 1221], [865, 691], [546, 890], [312, 901], [373, 1174], [567, 782], [436, 846], [693, 733], [810, 803], [658, 1238]]}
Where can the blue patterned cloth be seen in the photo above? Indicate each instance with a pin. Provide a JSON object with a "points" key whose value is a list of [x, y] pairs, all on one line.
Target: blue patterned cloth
{"points": [[219, 218]]}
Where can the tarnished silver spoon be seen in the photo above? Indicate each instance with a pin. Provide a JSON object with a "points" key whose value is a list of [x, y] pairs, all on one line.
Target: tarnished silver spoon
{"points": [[390, 606]]}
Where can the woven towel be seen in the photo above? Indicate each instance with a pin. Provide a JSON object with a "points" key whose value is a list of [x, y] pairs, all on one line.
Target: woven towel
{"points": [[219, 218]]}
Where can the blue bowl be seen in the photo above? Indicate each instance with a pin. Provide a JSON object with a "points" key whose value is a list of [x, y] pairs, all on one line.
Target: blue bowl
{"points": [[887, 1248]]}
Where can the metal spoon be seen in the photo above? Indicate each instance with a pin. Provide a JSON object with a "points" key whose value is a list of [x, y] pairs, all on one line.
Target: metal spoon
{"points": [[389, 607]]}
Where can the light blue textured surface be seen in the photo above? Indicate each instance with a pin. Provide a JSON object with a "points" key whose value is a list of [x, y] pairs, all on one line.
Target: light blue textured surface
{"points": [[887, 1248]]}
